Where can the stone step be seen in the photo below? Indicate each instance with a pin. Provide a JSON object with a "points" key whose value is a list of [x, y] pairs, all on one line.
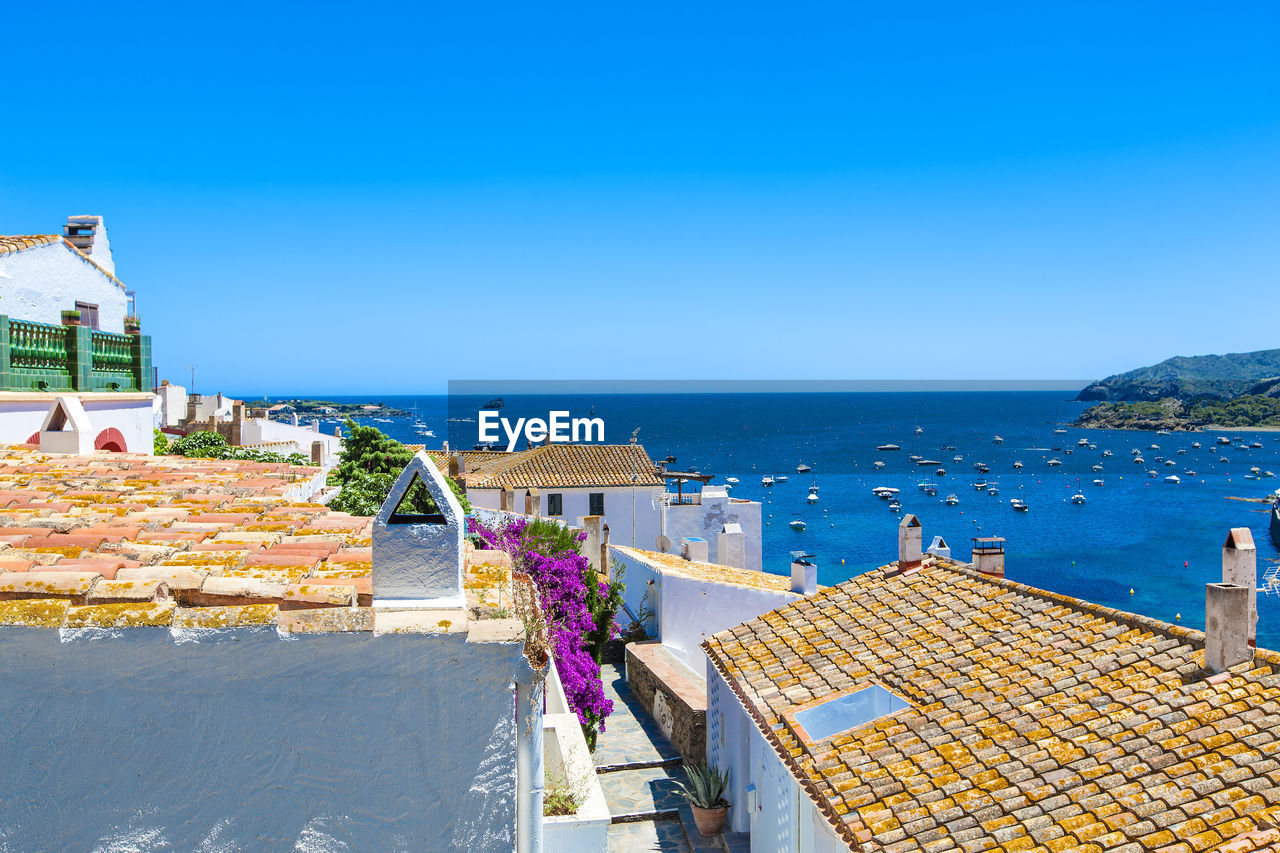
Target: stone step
{"points": [[649, 836], [642, 794], [639, 765]]}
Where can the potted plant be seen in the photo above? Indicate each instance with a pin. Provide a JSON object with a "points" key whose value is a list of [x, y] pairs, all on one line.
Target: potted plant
{"points": [[705, 792], [132, 325], [71, 318]]}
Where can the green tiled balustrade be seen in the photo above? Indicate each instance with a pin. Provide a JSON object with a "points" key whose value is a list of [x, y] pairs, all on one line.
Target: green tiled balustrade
{"points": [[40, 357]]}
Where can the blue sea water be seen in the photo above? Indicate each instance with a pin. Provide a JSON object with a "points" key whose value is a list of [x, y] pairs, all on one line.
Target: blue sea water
{"points": [[1160, 540]]}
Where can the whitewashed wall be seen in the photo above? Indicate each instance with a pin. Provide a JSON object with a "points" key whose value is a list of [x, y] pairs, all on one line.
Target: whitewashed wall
{"points": [[618, 507], [709, 518], [246, 741], [21, 414], [687, 611], [264, 431], [38, 284]]}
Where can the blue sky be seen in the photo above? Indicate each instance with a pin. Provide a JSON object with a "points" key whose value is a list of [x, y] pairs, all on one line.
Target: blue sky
{"points": [[382, 197]]}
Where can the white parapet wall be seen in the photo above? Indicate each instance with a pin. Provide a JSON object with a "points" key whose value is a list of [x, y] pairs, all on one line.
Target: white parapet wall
{"points": [[250, 739], [688, 602], [114, 417], [567, 761]]}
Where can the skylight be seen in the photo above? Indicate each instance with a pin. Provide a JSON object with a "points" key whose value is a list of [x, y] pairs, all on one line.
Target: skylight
{"points": [[848, 711]]}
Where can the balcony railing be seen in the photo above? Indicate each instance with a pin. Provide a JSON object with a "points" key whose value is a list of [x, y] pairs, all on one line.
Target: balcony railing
{"points": [[41, 357]]}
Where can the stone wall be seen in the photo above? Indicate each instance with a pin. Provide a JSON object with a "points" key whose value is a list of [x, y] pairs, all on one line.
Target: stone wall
{"points": [[675, 698]]}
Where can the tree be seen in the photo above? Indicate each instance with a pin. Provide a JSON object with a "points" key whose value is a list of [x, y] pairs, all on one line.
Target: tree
{"points": [[371, 461]]}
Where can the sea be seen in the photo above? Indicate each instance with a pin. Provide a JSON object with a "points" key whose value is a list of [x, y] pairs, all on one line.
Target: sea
{"points": [[1137, 542]]}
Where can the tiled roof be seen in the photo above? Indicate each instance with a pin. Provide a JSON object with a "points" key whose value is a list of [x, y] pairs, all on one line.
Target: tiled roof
{"points": [[710, 572], [1039, 722], [117, 540], [18, 242], [551, 466]]}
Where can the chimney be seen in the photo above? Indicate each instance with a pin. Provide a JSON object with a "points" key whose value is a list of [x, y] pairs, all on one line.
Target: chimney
{"points": [[592, 525], [939, 548], [1226, 626], [317, 453], [89, 235], [457, 465], [1240, 567], [988, 555], [910, 541], [293, 419], [695, 549], [804, 573], [237, 412]]}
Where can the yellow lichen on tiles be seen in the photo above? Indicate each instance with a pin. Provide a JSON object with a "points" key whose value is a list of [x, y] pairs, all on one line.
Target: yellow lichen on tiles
{"points": [[149, 614], [34, 612], [232, 616]]}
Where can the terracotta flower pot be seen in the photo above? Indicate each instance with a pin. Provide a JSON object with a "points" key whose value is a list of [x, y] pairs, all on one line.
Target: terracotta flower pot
{"points": [[709, 821]]}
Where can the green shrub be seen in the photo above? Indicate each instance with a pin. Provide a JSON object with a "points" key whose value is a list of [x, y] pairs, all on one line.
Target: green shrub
{"points": [[160, 444]]}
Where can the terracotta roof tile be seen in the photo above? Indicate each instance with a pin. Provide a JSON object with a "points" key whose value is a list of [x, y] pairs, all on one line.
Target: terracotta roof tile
{"points": [[562, 466], [1034, 718]]}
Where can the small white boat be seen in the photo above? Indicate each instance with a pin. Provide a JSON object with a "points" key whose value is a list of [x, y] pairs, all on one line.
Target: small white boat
{"points": [[884, 492], [797, 525], [951, 500], [1195, 445], [957, 458], [780, 478], [803, 468], [1078, 498], [895, 505], [1182, 451], [1255, 444], [1162, 432], [1222, 439], [1097, 482], [1055, 462], [1173, 478], [1059, 431], [766, 480], [1107, 453], [997, 440], [1266, 474], [1138, 460], [813, 494], [919, 430], [1018, 504], [1188, 473], [1084, 442], [1097, 467], [1153, 474], [1136, 452], [1017, 464], [914, 457], [888, 447], [731, 480], [993, 490], [1223, 459], [1155, 447], [940, 472], [878, 465], [930, 489]]}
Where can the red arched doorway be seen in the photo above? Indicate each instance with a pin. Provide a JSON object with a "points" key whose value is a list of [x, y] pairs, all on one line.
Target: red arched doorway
{"points": [[110, 439]]}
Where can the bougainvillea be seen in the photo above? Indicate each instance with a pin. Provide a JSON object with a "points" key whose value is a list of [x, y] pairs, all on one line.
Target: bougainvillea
{"points": [[548, 553]]}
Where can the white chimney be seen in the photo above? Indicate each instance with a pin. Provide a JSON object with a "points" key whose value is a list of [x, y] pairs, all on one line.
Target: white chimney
{"points": [[695, 549], [939, 548], [910, 542], [988, 555], [89, 235], [1240, 567], [804, 573], [1226, 626]]}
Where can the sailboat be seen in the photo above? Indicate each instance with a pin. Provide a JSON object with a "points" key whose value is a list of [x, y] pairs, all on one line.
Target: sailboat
{"points": [[803, 468], [797, 525], [813, 492]]}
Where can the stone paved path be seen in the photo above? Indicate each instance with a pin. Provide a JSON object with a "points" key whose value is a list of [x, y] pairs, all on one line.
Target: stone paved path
{"points": [[638, 769]]}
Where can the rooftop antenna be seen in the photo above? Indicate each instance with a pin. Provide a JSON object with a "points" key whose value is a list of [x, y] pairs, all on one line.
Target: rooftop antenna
{"points": [[192, 368]]}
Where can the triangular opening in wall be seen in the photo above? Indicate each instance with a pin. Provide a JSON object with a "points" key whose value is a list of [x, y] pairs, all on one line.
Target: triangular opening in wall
{"points": [[416, 506], [58, 419]]}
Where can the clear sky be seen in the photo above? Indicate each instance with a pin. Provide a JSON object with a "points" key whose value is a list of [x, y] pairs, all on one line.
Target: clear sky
{"points": [[381, 197]]}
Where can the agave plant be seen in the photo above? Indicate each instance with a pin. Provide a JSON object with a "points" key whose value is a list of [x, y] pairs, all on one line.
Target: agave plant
{"points": [[706, 786]]}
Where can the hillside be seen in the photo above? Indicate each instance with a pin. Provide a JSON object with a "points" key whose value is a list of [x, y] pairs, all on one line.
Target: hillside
{"points": [[1189, 377], [1171, 414]]}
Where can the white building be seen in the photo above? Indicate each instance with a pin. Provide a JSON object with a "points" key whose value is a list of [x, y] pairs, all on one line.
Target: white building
{"points": [[570, 482], [621, 483], [66, 331]]}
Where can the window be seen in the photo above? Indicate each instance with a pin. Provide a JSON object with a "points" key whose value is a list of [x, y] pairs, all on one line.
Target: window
{"points": [[88, 314], [597, 504], [555, 504], [846, 711]]}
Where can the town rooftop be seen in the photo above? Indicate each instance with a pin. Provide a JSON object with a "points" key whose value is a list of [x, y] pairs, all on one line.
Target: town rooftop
{"points": [[1036, 721]]}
